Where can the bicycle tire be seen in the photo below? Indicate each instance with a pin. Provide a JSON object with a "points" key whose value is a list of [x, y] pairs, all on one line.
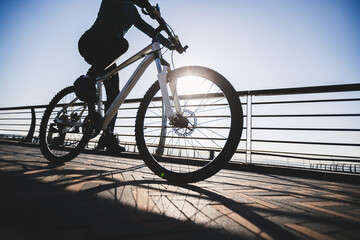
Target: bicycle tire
{"points": [[163, 155], [56, 144]]}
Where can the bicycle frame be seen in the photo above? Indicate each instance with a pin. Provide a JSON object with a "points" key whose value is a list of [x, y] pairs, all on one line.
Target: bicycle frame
{"points": [[151, 53]]}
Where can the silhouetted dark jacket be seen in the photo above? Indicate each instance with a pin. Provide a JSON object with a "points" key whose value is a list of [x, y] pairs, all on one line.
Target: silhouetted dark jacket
{"points": [[116, 17]]}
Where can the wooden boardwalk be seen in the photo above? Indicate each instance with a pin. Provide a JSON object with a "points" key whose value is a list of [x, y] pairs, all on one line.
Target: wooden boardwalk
{"points": [[102, 197]]}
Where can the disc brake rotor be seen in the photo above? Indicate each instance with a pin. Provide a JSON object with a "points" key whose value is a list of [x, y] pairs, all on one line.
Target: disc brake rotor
{"points": [[185, 124]]}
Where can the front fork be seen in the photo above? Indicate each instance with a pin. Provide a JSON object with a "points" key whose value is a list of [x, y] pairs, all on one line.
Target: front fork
{"points": [[162, 76], [168, 112]]}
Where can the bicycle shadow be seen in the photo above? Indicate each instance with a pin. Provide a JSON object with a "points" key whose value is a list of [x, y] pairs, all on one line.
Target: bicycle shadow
{"points": [[41, 202], [95, 200], [199, 199]]}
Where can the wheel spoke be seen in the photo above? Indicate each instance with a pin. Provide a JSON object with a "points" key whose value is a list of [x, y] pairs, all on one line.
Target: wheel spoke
{"points": [[200, 129], [60, 130]]}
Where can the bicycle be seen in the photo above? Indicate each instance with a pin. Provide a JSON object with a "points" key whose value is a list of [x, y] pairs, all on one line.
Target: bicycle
{"points": [[184, 134]]}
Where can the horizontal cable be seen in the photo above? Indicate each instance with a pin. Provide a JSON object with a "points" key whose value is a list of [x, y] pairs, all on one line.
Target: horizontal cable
{"points": [[304, 90], [303, 157], [205, 127], [307, 101], [2, 119], [176, 137], [14, 113], [309, 129], [307, 154], [124, 126], [308, 143], [198, 138], [209, 116], [14, 130], [13, 124], [307, 115]]}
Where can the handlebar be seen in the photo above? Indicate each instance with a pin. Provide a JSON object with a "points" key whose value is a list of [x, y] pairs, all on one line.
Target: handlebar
{"points": [[154, 13]]}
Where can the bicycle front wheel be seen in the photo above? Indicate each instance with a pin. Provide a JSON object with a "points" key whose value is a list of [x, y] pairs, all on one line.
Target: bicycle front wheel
{"points": [[199, 148], [61, 137]]}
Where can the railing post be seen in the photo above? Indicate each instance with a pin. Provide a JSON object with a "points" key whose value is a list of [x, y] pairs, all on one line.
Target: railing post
{"points": [[160, 148], [30, 134], [248, 157], [211, 155]]}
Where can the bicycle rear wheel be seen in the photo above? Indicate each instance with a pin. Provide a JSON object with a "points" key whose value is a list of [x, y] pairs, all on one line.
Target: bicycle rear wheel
{"points": [[213, 125], [61, 137]]}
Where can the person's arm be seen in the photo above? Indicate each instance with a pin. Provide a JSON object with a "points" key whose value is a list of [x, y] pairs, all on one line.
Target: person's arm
{"points": [[142, 3], [150, 31]]}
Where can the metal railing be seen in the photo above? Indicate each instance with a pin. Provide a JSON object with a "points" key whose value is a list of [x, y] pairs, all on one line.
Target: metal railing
{"points": [[311, 127]]}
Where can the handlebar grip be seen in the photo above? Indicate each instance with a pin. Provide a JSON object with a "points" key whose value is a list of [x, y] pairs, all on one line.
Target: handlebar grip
{"points": [[180, 49], [184, 49]]}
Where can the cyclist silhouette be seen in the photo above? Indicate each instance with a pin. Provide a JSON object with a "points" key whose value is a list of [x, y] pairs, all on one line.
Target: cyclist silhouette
{"points": [[100, 46]]}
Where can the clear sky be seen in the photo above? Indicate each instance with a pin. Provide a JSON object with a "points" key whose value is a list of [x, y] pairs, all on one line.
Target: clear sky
{"points": [[256, 44]]}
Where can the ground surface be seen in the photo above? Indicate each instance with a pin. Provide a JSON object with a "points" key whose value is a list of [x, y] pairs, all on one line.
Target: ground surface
{"points": [[102, 197]]}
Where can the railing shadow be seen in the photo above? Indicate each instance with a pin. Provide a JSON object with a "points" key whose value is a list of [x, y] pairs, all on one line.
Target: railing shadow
{"points": [[85, 200]]}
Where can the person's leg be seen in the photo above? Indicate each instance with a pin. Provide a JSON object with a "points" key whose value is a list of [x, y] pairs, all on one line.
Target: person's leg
{"points": [[100, 59], [108, 139], [96, 50], [119, 47], [112, 90], [91, 48]]}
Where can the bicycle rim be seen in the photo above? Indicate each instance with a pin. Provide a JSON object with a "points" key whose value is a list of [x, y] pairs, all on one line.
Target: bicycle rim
{"points": [[199, 150], [61, 137]]}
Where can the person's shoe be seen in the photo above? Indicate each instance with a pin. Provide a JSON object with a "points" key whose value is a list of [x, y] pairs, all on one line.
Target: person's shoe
{"points": [[85, 89], [101, 143], [111, 143]]}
